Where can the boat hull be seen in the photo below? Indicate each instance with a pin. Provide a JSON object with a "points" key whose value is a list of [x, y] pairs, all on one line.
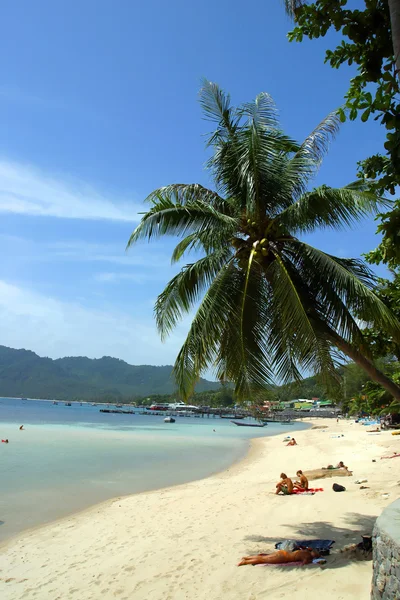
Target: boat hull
{"points": [[248, 424]]}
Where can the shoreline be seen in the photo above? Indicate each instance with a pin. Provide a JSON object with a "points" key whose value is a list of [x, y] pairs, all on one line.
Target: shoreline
{"points": [[240, 449], [249, 453], [165, 542], [106, 503]]}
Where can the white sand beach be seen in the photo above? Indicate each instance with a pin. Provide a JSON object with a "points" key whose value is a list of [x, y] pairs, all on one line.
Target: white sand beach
{"points": [[184, 542]]}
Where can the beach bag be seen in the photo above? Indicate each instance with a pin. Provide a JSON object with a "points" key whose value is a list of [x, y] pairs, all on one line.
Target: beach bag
{"points": [[338, 488]]}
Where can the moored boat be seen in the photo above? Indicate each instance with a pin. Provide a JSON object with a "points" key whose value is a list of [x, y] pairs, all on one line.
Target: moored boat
{"points": [[237, 417], [249, 424]]}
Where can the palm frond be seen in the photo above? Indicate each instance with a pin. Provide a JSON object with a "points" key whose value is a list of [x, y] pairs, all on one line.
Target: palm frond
{"points": [[252, 170], [261, 113], [190, 242], [243, 356], [201, 345], [291, 6], [216, 107], [353, 282], [227, 336], [215, 103], [308, 349], [187, 193], [168, 217], [306, 161], [326, 207], [185, 289]]}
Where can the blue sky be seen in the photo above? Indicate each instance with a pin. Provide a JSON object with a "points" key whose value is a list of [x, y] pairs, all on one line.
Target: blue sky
{"points": [[98, 106]]}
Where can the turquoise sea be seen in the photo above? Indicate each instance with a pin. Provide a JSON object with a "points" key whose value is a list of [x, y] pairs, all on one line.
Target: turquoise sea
{"points": [[69, 458]]}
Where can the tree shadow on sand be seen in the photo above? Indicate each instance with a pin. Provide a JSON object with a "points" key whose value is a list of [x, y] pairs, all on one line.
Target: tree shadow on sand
{"points": [[358, 525]]}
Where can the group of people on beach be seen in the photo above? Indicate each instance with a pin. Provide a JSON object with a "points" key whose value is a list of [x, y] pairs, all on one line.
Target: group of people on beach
{"points": [[286, 486], [304, 556]]}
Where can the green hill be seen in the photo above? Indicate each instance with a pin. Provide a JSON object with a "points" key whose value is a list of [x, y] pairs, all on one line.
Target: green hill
{"points": [[24, 373]]}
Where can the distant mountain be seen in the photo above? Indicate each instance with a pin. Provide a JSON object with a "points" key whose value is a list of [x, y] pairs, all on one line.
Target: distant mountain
{"points": [[24, 373]]}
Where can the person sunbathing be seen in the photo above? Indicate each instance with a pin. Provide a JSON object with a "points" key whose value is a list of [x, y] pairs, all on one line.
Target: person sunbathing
{"points": [[292, 442], [280, 557], [285, 485], [302, 484], [340, 465]]}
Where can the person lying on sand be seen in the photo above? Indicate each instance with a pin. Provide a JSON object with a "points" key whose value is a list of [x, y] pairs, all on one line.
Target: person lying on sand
{"points": [[292, 442], [302, 484], [280, 557], [340, 465], [285, 485], [395, 455]]}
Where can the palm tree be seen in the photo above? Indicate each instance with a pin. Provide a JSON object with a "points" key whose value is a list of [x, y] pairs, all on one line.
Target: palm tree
{"points": [[268, 303]]}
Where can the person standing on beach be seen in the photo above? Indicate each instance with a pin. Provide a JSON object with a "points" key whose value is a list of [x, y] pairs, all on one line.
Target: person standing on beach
{"points": [[285, 485]]}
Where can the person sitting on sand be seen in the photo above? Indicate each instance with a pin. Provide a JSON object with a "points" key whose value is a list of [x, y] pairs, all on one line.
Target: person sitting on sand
{"points": [[303, 483], [280, 557], [292, 442], [21, 428], [285, 485]]}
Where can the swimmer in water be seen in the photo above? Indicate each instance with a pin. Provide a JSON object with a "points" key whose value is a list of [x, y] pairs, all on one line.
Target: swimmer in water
{"points": [[5, 441]]}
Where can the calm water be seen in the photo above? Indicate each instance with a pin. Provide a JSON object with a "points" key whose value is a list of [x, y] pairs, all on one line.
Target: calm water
{"points": [[69, 458]]}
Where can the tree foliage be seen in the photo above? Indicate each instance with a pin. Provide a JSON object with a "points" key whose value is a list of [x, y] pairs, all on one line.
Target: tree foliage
{"points": [[366, 42]]}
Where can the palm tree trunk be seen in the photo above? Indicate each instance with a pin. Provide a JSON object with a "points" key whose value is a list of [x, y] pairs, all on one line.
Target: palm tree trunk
{"points": [[365, 364], [394, 10]]}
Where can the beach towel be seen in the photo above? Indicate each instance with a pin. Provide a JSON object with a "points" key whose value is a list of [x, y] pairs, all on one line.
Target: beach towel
{"points": [[310, 491], [291, 564], [394, 456], [323, 546]]}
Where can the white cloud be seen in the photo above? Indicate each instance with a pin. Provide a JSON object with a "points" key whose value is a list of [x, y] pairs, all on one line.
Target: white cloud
{"points": [[76, 250], [28, 191], [115, 277], [55, 328], [112, 253]]}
